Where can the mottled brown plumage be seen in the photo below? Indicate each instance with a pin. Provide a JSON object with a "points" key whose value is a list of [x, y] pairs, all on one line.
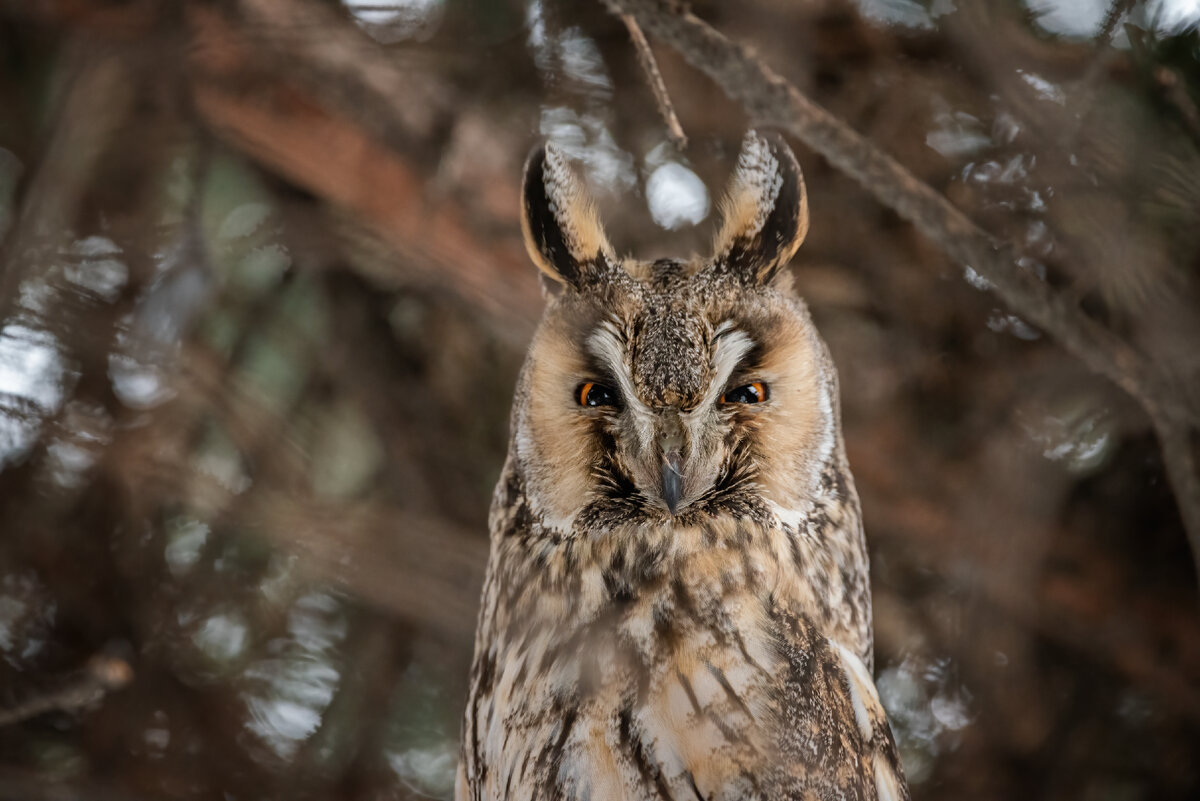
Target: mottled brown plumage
{"points": [[677, 600]]}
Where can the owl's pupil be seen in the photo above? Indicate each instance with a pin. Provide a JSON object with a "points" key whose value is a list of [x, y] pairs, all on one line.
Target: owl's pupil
{"points": [[748, 393], [592, 394]]}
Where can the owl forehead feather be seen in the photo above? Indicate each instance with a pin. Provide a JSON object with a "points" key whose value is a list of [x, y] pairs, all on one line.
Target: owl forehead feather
{"points": [[668, 354]]}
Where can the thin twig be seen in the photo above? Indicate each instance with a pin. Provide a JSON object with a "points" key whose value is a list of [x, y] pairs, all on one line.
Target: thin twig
{"points": [[769, 98], [50, 785], [653, 77], [101, 675], [97, 100], [1117, 10]]}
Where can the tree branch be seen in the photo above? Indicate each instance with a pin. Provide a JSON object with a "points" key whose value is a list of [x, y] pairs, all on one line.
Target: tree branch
{"points": [[96, 101], [284, 127], [655, 79], [768, 98], [101, 675]]}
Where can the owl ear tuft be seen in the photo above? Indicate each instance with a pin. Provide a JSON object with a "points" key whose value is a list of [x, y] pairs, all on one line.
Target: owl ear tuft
{"points": [[765, 211], [562, 231]]}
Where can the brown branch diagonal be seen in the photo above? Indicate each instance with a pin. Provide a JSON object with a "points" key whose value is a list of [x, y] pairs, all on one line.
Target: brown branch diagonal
{"points": [[768, 98], [100, 676], [654, 78]]}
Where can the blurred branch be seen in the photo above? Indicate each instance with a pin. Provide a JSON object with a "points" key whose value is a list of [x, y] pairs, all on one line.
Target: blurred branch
{"points": [[1173, 87], [128, 20], [336, 158], [23, 785], [1095, 608], [1179, 453], [350, 721], [347, 70], [420, 568], [769, 98], [100, 676], [97, 100], [655, 80], [1117, 10]]}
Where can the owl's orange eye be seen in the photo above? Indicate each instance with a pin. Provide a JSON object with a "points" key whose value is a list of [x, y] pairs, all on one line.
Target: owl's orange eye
{"points": [[748, 393], [593, 394]]}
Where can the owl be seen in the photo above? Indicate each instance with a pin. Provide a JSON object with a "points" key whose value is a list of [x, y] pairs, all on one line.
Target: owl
{"points": [[676, 603]]}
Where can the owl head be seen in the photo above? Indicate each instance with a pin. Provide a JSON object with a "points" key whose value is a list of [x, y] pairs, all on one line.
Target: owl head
{"points": [[679, 388]]}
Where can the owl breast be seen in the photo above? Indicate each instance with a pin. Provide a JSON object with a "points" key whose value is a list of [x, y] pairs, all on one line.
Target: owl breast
{"points": [[664, 662]]}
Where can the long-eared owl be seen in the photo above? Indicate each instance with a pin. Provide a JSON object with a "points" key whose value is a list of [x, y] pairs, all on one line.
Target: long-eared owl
{"points": [[677, 601]]}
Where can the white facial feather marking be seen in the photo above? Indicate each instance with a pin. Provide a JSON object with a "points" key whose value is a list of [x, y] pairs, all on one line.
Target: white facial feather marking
{"points": [[607, 346], [862, 689], [829, 429], [730, 346], [791, 518]]}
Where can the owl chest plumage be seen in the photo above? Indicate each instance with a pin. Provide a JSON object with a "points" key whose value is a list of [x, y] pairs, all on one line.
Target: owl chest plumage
{"points": [[700, 660]]}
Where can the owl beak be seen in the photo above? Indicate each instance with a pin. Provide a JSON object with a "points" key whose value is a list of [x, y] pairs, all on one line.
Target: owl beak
{"points": [[672, 479], [671, 442]]}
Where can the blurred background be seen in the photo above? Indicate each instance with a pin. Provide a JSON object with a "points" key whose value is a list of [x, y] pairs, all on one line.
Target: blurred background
{"points": [[263, 300]]}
